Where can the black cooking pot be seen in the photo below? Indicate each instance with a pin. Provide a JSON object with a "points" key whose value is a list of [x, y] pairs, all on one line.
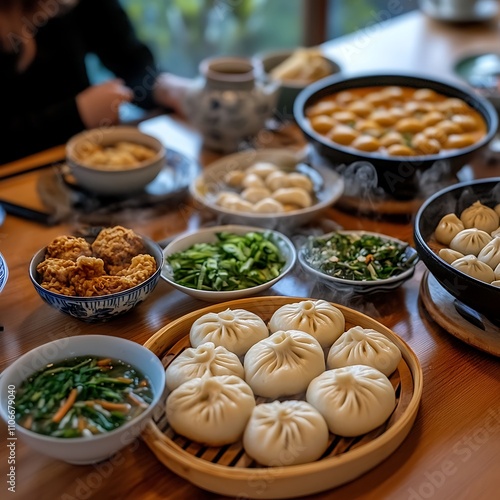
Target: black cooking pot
{"points": [[399, 177], [480, 296]]}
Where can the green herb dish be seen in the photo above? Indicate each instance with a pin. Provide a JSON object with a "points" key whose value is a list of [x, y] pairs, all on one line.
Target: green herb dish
{"points": [[65, 399], [227, 262], [359, 261]]}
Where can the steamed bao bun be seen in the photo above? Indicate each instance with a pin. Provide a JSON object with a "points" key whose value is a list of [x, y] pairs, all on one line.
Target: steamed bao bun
{"points": [[283, 364], [211, 410], [285, 433], [353, 400], [318, 318], [235, 329]]}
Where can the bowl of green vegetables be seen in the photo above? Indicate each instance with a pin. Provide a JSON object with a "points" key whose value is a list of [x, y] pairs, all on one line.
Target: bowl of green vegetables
{"points": [[358, 261], [227, 262], [81, 399]]}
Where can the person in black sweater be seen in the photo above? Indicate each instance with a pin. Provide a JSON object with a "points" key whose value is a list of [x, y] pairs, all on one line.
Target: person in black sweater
{"points": [[45, 92]]}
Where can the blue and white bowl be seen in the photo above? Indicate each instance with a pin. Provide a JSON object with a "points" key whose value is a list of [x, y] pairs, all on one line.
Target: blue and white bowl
{"points": [[4, 272], [104, 307]]}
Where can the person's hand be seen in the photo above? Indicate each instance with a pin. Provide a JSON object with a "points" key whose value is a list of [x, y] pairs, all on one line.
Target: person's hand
{"points": [[99, 105], [170, 90]]}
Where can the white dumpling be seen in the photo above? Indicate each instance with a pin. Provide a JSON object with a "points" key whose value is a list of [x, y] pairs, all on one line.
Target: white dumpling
{"points": [[364, 346], [471, 266], [293, 195], [470, 241], [490, 254], [237, 330], [496, 283], [224, 198], [285, 433], [234, 202], [495, 233], [283, 364], [211, 410], [268, 206], [481, 217], [497, 272], [449, 226], [295, 179], [262, 169], [252, 180], [255, 194], [204, 360], [319, 318], [353, 400], [449, 255], [276, 180]]}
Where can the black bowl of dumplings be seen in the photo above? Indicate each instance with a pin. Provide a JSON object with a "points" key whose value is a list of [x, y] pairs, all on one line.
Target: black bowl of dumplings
{"points": [[386, 176], [455, 237]]}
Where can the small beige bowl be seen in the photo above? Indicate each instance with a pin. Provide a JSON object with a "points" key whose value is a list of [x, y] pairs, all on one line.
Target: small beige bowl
{"points": [[118, 181]]}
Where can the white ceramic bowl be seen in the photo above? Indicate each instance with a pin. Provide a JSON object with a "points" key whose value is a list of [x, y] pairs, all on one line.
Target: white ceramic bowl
{"points": [[118, 181], [328, 186], [208, 235], [83, 450], [355, 285], [103, 307]]}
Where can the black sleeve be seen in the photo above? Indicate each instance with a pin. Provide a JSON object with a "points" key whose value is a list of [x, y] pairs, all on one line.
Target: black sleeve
{"points": [[28, 133], [109, 34]]}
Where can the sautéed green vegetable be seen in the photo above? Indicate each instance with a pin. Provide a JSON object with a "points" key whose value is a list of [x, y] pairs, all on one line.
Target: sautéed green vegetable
{"points": [[82, 396]]}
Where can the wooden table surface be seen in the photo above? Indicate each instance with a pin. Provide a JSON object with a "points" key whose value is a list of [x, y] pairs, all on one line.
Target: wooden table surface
{"points": [[453, 448]]}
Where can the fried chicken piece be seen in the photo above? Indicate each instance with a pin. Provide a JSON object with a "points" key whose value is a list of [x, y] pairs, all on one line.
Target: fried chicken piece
{"points": [[56, 275], [116, 246], [86, 270], [140, 269], [68, 248], [104, 285]]}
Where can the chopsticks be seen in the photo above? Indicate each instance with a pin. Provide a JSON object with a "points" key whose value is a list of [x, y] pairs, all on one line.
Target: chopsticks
{"points": [[31, 169], [28, 213]]}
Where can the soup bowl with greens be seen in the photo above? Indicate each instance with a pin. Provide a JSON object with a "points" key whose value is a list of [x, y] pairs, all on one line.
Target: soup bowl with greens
{"points": [[81, 399]]}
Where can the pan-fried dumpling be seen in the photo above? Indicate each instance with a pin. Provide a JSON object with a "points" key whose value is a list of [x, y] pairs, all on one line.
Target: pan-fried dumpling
{"points": [[449, 226], [353, 400], [296, 179], [473, 267], [255, 194], [252, 180], [285, 433], [449, 255], [490, 254], [268, 206], [319, 318], [276, 180], [470, 241], [211, 410], [235, 329], [283, 364], [293, 196], [204, 360], [364, 346], [480, 216], [234, 177]]}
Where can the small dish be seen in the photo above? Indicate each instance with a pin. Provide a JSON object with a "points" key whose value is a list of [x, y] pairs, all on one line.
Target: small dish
{"points": [[208, 235], [328, 188], [361, 287], [4, 272], [83, 450]]}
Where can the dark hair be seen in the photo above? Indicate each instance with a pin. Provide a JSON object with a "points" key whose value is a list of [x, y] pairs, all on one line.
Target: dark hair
{"points": [[31, 5]]}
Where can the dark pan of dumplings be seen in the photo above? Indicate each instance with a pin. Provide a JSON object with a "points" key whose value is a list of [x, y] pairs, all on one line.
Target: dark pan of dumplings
{"points": [[344, 138], [478, 295]]}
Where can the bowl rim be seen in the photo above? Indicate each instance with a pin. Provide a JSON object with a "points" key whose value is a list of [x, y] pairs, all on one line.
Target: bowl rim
{"points": [[333, 193], [237, 229], [424, 246], [72, 143], [408, 273], [311, 92], [87, 338], [74, 298]]}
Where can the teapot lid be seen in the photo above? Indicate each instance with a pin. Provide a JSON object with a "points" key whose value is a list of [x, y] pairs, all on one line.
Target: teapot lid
{"points": [[229, 72]]}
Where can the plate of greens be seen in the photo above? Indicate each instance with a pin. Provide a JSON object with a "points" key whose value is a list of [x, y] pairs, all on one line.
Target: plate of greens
{"points": [[227, 262], [358, 261]]}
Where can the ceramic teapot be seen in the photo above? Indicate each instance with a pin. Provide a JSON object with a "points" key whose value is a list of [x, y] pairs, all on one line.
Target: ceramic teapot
{"points": [[229, 102]]}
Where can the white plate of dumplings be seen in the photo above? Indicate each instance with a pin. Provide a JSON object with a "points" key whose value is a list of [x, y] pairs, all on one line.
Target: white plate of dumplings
{"points": [[269, 188], [301, 360]]}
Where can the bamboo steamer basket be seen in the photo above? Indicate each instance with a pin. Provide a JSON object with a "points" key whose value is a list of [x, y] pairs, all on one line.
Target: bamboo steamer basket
{"points": [[229, 471]]}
